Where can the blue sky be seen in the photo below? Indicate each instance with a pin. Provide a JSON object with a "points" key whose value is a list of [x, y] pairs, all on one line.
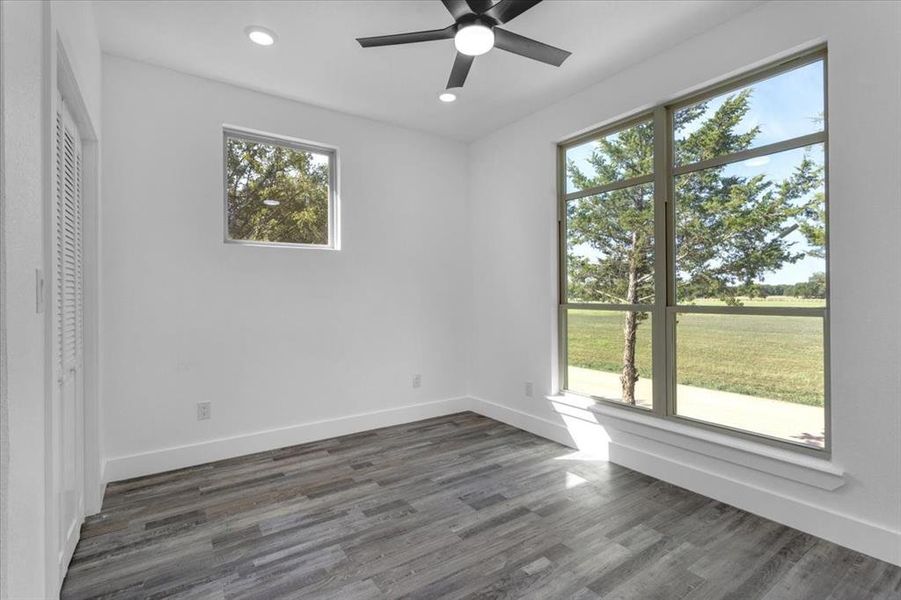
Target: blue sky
{"points": [[784, 107]]}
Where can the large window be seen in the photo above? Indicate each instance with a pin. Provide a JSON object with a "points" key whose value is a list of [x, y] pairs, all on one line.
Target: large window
{"points": [[693, 258], [278, 191]]}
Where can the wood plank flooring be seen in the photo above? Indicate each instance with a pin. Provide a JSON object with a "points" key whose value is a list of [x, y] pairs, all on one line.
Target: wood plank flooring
{"points": [[453, 507]]}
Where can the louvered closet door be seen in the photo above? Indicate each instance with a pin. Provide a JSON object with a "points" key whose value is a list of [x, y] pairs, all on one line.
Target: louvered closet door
{"points": [[67, 419]]}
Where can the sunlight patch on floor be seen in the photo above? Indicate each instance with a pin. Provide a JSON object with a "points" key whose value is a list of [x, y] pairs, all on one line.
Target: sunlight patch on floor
{"points": [[573, 480], [583, 455]]}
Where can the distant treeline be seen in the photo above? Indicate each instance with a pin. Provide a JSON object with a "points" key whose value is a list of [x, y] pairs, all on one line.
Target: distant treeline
{"points": [[815, 287]]}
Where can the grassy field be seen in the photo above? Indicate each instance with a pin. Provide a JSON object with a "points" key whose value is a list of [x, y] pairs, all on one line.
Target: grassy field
{"points": [[771, 357]]}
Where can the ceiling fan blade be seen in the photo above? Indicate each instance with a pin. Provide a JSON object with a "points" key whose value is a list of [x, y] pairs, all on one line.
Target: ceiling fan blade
{"points": [[507, 10], [517, 44], [460, 70], [457, 8], [479, 6], [409, 38]]}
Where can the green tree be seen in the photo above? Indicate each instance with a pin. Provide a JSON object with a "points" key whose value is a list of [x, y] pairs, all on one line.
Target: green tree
{"points": [[814, 287], [774, 289], [729, 230], [619, 228], [276, 194]]}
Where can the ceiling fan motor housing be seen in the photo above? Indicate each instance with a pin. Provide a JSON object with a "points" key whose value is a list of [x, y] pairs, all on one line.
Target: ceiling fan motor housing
{"points": [[472, 19]]}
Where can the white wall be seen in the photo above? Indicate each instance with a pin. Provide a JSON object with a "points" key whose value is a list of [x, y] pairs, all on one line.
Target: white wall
{"points": [[29, 52], [513, 225], [22, 231], [4, 399], [273, 337]]}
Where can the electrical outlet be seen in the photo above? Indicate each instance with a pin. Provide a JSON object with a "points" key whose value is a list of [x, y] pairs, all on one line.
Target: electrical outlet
{"points": [[529, 389], [204, 411], [417, 380]]}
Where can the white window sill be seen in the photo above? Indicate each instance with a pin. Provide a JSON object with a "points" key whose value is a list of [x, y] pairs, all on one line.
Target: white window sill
{"points": [[781, 462]]}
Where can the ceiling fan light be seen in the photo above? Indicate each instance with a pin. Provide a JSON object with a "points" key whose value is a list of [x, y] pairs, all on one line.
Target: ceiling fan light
{"points": [[447, 96], [474, 39]]}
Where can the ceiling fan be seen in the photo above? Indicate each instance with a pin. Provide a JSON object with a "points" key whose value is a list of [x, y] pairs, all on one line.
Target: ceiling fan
{"points": [[475, 31]]}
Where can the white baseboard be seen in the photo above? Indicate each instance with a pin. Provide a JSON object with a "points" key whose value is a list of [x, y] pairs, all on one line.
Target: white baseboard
{"points": [[167, 459], [522, 420], [845, 530], [96, 504]]}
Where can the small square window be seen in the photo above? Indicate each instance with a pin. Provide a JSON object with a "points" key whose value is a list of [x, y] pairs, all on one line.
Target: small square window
{"points": [[278, 192]]}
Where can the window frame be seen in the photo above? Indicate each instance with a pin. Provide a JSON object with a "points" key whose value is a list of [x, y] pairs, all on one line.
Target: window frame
{"points": [[260, 137], [665, 307]]}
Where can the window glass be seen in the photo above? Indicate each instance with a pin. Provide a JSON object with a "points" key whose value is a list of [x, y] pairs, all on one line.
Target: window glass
{"points": [[756, 373], [277, 193], [753, 230], [610, 355], [621, 155], [610, 247], [778, 108]]}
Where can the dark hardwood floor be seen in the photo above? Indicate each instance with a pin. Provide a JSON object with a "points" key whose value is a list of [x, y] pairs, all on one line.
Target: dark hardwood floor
{"points": [[453, 507]]}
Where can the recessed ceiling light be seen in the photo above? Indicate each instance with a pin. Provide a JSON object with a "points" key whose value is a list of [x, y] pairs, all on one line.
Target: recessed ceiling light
{"points": [[271, 202], [474, 39], [447, 96], [260, 35]]}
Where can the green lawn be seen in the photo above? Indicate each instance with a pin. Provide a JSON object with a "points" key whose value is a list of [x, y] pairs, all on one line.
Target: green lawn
{"points": [[771, 357]]}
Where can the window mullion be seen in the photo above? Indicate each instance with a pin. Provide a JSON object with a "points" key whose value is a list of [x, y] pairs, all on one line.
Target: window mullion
{"points": [[659, 348], [773, 311], [610, 307], [562, 299], [669, 274], [775, 148], [610, 187]]}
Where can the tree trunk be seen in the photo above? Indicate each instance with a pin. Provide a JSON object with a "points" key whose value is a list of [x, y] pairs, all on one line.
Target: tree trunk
{"points": [[630, 328], [630, 374]]}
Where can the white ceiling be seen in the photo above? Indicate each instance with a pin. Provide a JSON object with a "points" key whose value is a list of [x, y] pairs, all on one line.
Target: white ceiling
{"points": [[318, 61]]}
